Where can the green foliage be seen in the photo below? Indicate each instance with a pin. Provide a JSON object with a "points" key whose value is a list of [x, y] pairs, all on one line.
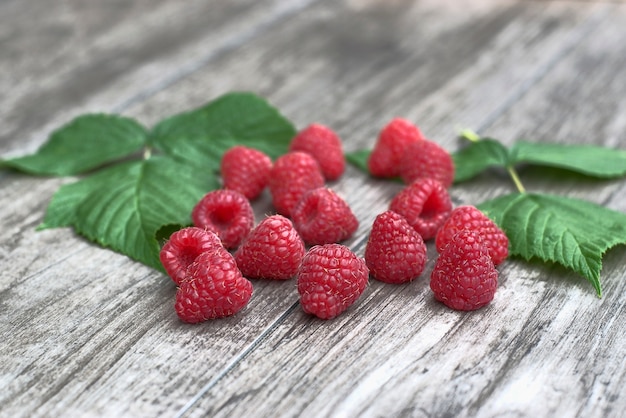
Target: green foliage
{"points": [[359, 159], [87, 142], [132, 203], [593, 161], [124, 206], [201, 136], [477, 157], [572, 232], [143, 185], [589, 160]]}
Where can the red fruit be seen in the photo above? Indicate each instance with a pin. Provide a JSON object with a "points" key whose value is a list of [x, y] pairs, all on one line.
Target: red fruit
{"points": [[425, 204], [325, 146], [293, 174], [227, 213], [273, 250], [384, 161], [395, 252], [213, 288], [322, 217], [330, 279], [246, 170], [469, 217], [426, 159], [464, 277], [183, 247]]}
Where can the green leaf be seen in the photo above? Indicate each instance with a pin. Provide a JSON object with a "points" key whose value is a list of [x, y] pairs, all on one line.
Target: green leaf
{"points": [[585, 159], [484, 153], [359, 159], [132, 206], [61, 211], [87, 142], [477, 157], [572, 232], [124, 207], [201, 136]]}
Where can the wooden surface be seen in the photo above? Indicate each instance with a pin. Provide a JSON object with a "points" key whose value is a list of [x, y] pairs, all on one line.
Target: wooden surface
{"points": [[88, 332]]}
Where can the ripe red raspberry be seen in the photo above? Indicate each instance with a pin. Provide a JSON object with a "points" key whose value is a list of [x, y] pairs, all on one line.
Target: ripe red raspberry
{"points": [[246, 170], [213, 288], [273, 250], [384, 161], [227, 213], [325, 146], [395, 252], [464, 277], [293, 174], [426, 159], [323, 217], [469, 217], [425, 204], [183, 247], [330, 279]]}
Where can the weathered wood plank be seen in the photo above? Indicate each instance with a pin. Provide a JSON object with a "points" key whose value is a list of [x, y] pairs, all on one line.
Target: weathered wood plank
{"points": [[95, 333], [543, 348], [103, 56]]}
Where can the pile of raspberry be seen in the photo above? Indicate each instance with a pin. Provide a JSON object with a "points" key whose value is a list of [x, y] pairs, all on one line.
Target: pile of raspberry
{"points": [[214, 261]]}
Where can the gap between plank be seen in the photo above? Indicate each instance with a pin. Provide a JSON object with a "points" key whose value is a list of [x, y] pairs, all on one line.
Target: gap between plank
{"points": [[231, 43], [238, 358]]}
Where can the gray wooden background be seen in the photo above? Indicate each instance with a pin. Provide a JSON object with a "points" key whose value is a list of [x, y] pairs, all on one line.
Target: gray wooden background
{"points": [[88, 332]]}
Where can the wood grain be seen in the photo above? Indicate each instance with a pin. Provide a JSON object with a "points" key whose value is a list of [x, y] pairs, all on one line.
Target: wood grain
{"points": [[88, 332], [91, 56]]}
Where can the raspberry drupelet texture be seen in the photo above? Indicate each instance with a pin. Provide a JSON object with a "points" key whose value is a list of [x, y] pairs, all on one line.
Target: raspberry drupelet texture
{"points": [[426, 159], [246, 170], [183, 247], [464, 277], [325, 146], [323, 217], [425, 204], [330, 279], [395, 252], [469, 217], [384, 161], [213, 287], [227, 213], [292, 175], [273, 250]]}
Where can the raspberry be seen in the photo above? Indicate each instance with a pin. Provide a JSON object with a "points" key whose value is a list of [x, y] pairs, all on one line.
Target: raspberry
{"points": [[246, 170], [325, 146], [183, 247], [426, 159], [464, 277], [213, 288], [395, 252], [293, 174], [384, 161], [322, 217], [227, 213], [273, 250], [469, 217], [330, 279], [425, 204]]}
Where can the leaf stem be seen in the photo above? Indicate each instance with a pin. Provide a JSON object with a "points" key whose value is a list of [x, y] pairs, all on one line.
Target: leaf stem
{"points": [[147, 153], [515, 178], [474, 137], [469, 135]]}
